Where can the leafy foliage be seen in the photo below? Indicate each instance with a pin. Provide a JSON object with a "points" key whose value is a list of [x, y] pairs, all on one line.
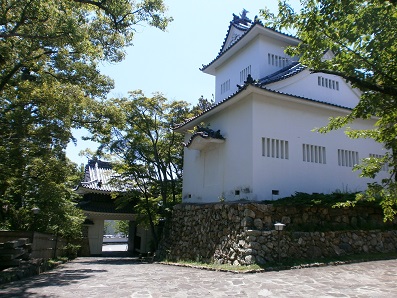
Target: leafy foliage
{"points": [[122, 226], [359, 37], [149, 153], [317, 199], [49, 84], [202, 105]]}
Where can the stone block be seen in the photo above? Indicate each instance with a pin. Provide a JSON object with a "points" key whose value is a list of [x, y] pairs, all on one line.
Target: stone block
{"points": [[255, 245], [314, 252], [249, 213], [261, 239], [247, 222], [249, 260], [253, 233], [250, 238], [260, 260], [258, 223]]}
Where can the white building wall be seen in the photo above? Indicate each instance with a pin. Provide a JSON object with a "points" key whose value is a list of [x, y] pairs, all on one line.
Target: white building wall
{"points": [[95, 236], [238, 151], [231, 71], [294, 123], [222, 171], [271, 56], [254, 55], [305, 84], [237, 170]]}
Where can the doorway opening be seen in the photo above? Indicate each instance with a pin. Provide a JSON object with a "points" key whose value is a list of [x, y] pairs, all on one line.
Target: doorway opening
{"points": [[115, 236]]}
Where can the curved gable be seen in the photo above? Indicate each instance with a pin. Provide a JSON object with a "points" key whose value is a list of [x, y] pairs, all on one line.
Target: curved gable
{"points": [[322, 87]]}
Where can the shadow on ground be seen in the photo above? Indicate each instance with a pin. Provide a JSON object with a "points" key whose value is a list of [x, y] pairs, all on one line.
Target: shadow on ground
{"points": [[56, 277]]}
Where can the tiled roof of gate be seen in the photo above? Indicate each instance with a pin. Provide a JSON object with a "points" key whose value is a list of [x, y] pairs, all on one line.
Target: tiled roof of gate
{"points": [[98, 177], [97, 187], [105, 205]]}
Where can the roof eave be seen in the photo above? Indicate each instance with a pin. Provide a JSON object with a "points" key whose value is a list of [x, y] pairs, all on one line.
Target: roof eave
{"points": [[247, 90], [254, 31], [208, 113], [81, 190]]}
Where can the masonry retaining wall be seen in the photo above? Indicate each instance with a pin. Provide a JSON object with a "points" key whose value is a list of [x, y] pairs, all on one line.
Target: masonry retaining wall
{"points": [[243, 233]]}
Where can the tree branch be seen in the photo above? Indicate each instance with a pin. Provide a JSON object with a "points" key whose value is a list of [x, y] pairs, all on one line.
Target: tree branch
{"points": [[388, 90], [348, 49]]}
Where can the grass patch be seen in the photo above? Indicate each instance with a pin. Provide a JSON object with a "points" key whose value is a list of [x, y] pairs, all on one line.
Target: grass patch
{"points": [[321, 200], [216, 266], [287, 264], [328, 201], [335, 260]]}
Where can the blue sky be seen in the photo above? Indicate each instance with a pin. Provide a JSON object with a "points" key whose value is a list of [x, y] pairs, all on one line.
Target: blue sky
{"points": [[169, 62]]}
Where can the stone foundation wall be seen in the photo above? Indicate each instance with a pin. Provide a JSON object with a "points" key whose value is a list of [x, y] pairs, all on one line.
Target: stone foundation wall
{"points": [[241, 234]]}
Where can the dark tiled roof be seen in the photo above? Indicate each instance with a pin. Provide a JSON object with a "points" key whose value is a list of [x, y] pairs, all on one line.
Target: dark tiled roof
{"points": [[245, 30], [214, 106], [308, 99], [242, 24], [195, 135], [205, 133], [104, 204], [283, 73], [100, 177], [261, 86]]}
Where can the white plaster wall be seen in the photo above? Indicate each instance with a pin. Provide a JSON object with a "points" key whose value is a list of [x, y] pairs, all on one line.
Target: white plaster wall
{"points": [[294, 122], [95, 236], [237, 159], [238, 164], [255, 53], [219, 170], [305, 84], [269, 46], [231, 70]]}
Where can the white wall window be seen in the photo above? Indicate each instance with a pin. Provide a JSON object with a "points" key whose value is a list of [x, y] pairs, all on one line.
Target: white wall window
{"points": [[327, 83], [225, 86], [313, 153], [275, 148], [347, 158], [277, 61], [385, 167], [244, 73]]}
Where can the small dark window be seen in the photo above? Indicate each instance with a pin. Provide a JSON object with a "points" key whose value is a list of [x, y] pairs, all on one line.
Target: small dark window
{"points": [[236, 192], [137, 242]]}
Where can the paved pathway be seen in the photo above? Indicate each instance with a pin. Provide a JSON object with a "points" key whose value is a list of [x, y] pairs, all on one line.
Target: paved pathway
{"points": [[123, 277], [114, 247]]}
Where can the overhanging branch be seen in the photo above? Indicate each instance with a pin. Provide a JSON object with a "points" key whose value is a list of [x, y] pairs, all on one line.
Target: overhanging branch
{"points": [[362, 84]]}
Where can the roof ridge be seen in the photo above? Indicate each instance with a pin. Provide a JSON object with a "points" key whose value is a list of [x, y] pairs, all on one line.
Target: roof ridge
{"points": [[247, 30]]}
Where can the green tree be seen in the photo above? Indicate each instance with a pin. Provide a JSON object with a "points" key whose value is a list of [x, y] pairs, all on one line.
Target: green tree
{"points": [[150, 153], [360, 36], [49, 84], [122, 227], [202, 105]]}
